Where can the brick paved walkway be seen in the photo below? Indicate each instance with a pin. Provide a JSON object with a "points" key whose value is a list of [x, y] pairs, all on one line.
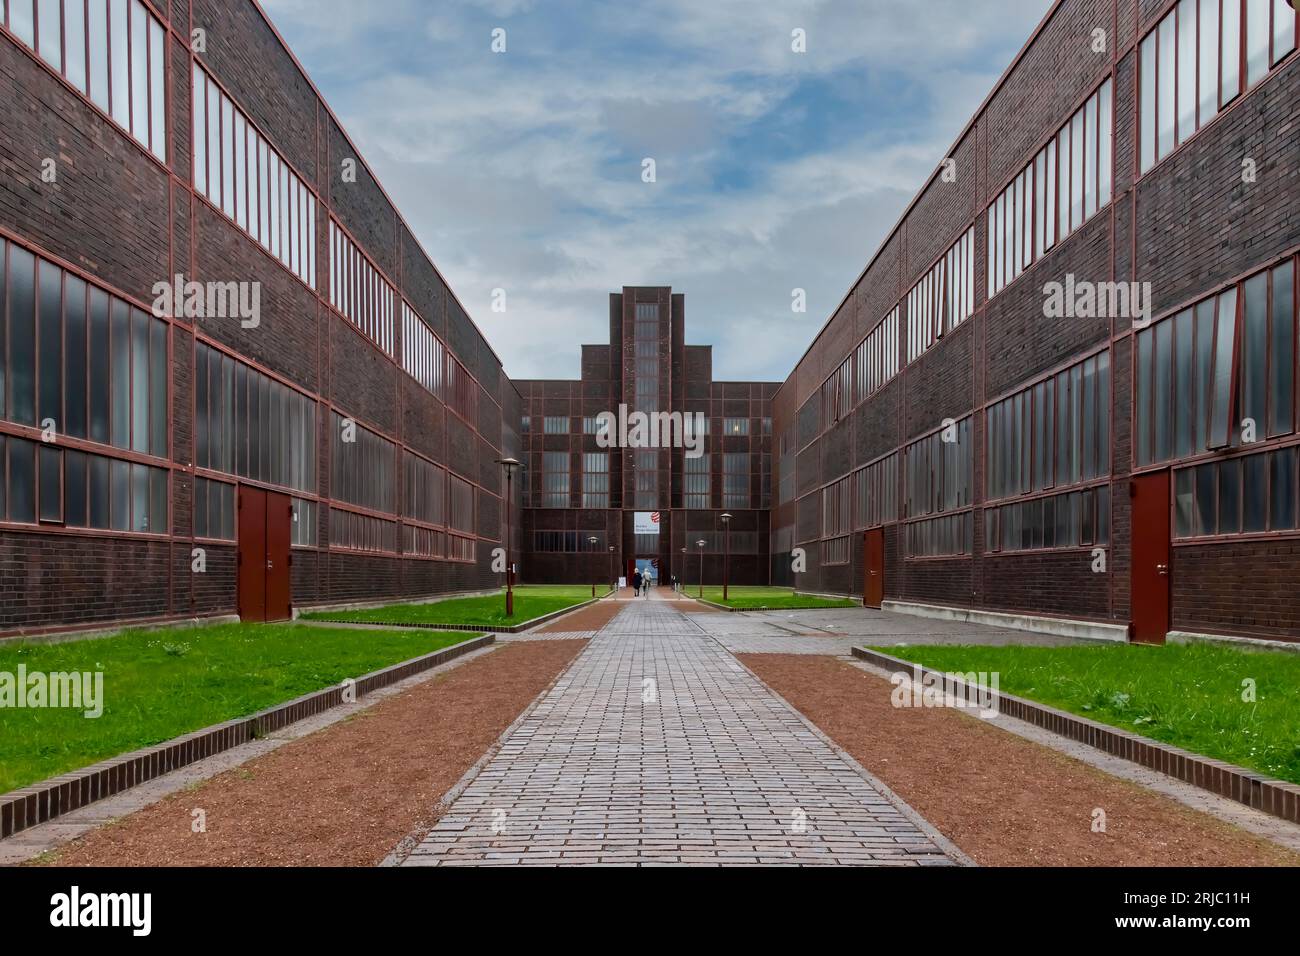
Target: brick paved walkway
{"points": [[657, 747]]}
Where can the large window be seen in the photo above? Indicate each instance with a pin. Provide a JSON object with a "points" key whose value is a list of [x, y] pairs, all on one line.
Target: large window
{"points": [[569, 542], [876, 360], [423, 355], [943, 299], [1065, 185], [837, 395], [1080, 519], [1220, 373], [424, 490], [110, 50], [555, 479], [1052, 434], [248, 424], [1198, 59], [358, 532], [735, 480], [462, 391], [875, 493], [359, 292], [837, 508], [1248, 495], [74, 356], [460, 505], [696, 483], [556, 425], [214, 509], [939, 537], [938, 470], [243, 176], [47, 485], [361, 466], [595, 479]]}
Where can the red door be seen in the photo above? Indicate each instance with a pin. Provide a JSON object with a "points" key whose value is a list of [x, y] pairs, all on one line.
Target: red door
{"points": [[873, 588], [252, 554], [279, 520], [1152, 552], [265, 519]]}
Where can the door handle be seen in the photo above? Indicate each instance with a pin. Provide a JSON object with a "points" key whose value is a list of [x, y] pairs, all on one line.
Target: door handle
{"points": [[1162, 569], [270, 565]]}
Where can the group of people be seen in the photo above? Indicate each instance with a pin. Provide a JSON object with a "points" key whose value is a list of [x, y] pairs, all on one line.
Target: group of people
{"points": [[642, 583]]}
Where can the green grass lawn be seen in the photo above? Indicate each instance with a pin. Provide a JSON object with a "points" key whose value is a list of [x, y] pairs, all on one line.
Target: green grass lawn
{"points": [[1187, 695], [755, 599], [160, 684], [531, 601]]}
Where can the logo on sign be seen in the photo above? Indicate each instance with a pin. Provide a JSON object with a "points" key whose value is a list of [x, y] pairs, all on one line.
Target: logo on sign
{"points": [[646, 522]]}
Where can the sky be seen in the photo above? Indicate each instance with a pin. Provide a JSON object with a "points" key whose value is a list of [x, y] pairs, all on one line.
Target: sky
{"points": [[774, 170]]}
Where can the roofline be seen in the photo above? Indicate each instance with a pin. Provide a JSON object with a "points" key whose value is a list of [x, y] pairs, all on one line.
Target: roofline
{"points": [[965, 130]]}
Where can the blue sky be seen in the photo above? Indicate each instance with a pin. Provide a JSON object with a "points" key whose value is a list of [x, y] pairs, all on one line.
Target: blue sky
{"points": [[775, 170]]}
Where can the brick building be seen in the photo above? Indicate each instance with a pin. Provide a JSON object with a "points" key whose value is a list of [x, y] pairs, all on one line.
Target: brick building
{"points": [[954, 437], [1064, 386], [592, 511]]}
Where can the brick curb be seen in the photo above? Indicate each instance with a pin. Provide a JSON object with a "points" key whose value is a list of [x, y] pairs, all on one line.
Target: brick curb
{"points": [[515, 629], [42, 802], [1275, 797]]}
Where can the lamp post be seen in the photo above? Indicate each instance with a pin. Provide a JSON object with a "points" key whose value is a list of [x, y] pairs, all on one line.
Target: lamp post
{"points": [[613, 578], [682, 583], [700, 544], [510, 464], [726, 558], [592, 541]]}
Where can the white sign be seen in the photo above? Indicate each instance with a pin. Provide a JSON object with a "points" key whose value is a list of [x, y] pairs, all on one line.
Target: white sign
{"points": [[646, 522]]}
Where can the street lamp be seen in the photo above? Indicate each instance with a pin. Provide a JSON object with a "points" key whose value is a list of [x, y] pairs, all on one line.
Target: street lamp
{"points": [[726, 559], [700, 544], [613, 578], [681, 585], [510, 464], [592, 541]]}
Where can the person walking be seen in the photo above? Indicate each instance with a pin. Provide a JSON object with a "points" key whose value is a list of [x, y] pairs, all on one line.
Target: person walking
{"points": [[636, 582]]}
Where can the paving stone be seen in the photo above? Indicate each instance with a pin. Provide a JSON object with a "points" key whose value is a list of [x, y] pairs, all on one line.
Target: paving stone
{"points": [[658, 747]]}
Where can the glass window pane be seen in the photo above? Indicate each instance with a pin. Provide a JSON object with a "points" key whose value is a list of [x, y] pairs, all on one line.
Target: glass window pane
{"points": [[4, 333], [1090, 157], [97, 30], [1168, 84], [1186, 69], [241, 179], [139, 381], [99, 496], [1183, 501], [1220, 426], [1202, 393], [74, 43], [1230, 497], [157, 500], [1209, 81], [50, 28], [1282, 490], [139, 72], [74, 490], [74, 320], [119, 79], [22, 21], [1105, 120], [158, 388], [1163, 391], [22, 336], [51, 483], [120, 492], [99, 358], [1254, 494], [1282, 352], [1050, 225], [1254, 357], [140, 498], [214, 143], [120, 375], [157, 91], [1142, 412], [51, 345], [227, 157], [1076, 171], [200, 117], [1258, 38], [1206, 500], [1148, 73], [1183, 386], [22, 481], [1230, 76], [1284, 23]]}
